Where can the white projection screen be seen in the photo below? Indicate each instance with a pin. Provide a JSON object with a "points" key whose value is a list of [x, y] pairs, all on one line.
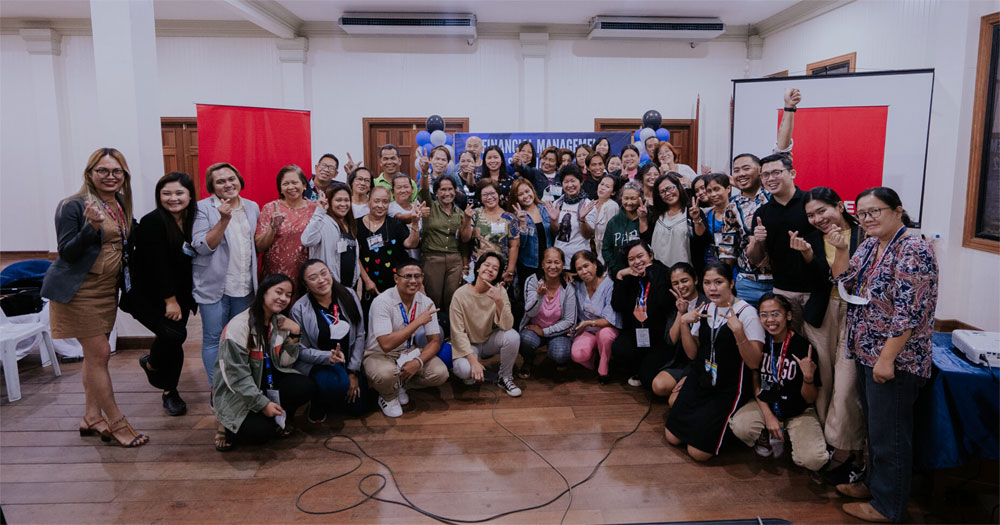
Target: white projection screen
{"points": [[852, 131]]}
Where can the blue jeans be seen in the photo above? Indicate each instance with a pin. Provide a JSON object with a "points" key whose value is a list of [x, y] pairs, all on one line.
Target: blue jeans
{"points": [[332, 383], [889, 411], [560, 347], [214, 317], [751, 291]]}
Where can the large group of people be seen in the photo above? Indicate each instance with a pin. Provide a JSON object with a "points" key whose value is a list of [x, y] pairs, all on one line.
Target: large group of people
{"points": [[756, 309]]}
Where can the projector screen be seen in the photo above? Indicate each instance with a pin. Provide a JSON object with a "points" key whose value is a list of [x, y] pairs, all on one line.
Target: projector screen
{"points": [[851, 132]]}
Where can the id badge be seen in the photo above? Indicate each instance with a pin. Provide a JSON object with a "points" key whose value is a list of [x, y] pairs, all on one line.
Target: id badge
{"points": [[498, 228], [642, 337], [128, 279], [850, 298], [188, 249], [342, 246], [712, 369], [556, 190], [375, 241], [276, 398]]}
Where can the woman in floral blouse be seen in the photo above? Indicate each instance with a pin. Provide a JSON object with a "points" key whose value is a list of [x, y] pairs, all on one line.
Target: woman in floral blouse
{"points": [[891, 286]]}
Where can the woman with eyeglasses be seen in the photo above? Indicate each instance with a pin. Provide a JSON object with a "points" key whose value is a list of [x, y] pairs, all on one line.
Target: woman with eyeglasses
{"points": [[891, 285], [493, 229], [666, 157], [281, 223], [675, 226], [332, 343], [383, 241], [94, 232], [360, 182]]}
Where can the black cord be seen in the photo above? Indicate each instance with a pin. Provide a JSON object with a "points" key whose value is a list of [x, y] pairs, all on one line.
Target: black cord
{"points": [[443, 519]]}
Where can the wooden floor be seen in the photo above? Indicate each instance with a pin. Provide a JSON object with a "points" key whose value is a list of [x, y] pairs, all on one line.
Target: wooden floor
{"points": [[448, 454]]}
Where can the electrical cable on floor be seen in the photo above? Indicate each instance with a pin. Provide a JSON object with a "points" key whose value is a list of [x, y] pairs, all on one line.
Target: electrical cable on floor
{"points": [[443, 519]]}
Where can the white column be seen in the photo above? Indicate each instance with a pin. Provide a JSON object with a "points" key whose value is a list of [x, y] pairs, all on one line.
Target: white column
{"points": [[534, 48], [43, 46], [127, 91], [292, 52]]}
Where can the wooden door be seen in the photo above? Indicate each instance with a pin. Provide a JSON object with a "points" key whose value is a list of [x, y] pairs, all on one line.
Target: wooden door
{"points": [[180, 146], [402, 133], [683, 135]]}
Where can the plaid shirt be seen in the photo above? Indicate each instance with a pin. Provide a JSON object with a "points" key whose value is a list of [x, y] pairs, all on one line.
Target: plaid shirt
{"points": [[737, 231]]}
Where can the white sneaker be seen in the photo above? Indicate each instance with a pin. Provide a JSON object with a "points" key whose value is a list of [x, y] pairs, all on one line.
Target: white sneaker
{"points": [[634, 381], [469, 381], [402, 397], [763, 445], [507, 384], [390, 408]]}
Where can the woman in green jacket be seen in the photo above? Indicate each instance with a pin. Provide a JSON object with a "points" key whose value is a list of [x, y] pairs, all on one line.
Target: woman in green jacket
{"points": [[255, 385]]}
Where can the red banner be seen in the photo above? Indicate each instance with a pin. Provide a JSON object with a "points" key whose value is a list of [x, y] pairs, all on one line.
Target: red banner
{"points": [[258, 141], [841, 148]]}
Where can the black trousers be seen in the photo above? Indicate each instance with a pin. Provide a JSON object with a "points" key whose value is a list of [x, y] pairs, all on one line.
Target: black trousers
{"points": [[294, 391], [166, 354], [628, 360]]}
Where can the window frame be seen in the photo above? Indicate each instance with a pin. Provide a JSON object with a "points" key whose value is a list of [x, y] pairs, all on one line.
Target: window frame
{"points": [[976, 181]]}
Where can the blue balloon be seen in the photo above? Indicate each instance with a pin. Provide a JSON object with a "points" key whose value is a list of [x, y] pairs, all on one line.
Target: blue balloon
{"points": [[427, 148], [663, 134], [423, 137], [449, 140], [636, 135], [644, 158]]}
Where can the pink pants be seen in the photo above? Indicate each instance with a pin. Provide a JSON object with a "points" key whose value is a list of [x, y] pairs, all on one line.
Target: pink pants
{"points": [[584, 344]]}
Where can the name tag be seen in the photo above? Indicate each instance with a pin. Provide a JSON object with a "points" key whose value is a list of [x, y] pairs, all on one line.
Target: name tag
{"points": [[375, 241], [555, 190], [342, 246], [498, 228], [188, 249], [642, 337]]}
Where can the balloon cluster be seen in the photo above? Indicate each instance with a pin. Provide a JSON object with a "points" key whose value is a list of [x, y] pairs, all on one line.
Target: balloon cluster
{"points": [[433, 137], [651, 121]]}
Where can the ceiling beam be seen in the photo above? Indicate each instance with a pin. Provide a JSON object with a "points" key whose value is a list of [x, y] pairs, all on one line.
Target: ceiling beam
{"points": [[268, 15], [795, 15]]}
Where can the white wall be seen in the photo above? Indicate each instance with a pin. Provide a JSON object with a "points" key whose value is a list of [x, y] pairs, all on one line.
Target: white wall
{"points": [[937, 34]]}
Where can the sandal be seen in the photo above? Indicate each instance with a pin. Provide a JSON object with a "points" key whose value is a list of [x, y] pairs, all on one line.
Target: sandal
{"points": [[525, 371], [222, 443], [122, 424], [283, 433], [89, 429]]}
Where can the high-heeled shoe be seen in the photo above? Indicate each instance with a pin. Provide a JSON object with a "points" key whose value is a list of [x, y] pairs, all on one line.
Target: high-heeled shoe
{"points": [[89, 429], [122, 424]]}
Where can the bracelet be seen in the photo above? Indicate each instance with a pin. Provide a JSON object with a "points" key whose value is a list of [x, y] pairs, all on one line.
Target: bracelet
{"points": [[420, 360], [790, 109]]}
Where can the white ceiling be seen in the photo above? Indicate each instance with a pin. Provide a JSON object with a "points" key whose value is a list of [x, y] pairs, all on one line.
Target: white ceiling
{"points": [[541, 12]]}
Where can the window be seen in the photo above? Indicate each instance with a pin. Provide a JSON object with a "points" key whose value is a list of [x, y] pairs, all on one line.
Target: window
{"points": [[833, 66], [982, 205]]}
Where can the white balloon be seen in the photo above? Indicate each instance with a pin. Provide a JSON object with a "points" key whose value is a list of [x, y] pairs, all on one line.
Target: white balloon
{"points": [[416, 164], [638, 144], [643, 135], [451, 166], [438, 137]]}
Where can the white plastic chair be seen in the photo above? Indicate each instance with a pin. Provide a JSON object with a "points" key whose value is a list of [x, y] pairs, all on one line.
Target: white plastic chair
{"points": [[10, 335]]}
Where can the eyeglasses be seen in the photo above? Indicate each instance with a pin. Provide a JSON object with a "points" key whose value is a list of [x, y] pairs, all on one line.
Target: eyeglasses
{"points": [[327, 167], [873, 213], [666, 190], [772, 315], [411, 276], [104, 172], [770, 174]]}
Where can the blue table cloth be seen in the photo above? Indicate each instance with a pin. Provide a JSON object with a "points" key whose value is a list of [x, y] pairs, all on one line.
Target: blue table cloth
{"points": [[958, 412]]}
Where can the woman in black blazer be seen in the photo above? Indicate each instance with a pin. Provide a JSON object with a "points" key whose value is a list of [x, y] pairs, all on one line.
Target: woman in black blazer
{"points": [[94, 229], [161, 294]]}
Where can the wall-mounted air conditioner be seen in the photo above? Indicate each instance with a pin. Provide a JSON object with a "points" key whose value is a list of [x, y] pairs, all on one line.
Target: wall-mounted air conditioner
{"points": [[410, 24], [686, 29]]}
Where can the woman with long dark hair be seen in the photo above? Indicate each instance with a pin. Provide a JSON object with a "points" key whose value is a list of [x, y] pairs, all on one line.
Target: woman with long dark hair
{"points": [[257, 389], [94, 232], [333, 342], [838, 402], [675, 226], [161, 293], [495, 169], [332, 235]]}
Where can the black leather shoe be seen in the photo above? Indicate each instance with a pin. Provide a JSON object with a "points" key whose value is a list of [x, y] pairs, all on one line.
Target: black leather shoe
{"points": [[174, 404]]}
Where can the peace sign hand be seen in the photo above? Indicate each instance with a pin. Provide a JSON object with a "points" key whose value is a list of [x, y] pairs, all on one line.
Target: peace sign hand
{"points": [[321, 200], [694, 212], [807, 366], [693, 316], [522, 216], [682, 303], [643, 211], [733, 321], [425, 163]]}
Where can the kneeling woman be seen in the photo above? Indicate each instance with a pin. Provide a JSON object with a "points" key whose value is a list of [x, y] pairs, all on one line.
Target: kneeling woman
{"points": [[549, 313], [786, 389], [255, 383], [724, 336], [333, 335]]}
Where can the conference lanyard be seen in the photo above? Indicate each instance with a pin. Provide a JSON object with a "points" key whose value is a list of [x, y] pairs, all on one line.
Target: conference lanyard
{"points": [[406, 319], [268, 371], [710, 364], [121, 230], [640, 309], [868, 273], [776, 368], [336, 315]]}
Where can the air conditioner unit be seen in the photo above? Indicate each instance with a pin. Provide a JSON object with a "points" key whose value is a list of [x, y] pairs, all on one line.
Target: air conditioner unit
{"points": [[410, 24], [686, 29]]}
